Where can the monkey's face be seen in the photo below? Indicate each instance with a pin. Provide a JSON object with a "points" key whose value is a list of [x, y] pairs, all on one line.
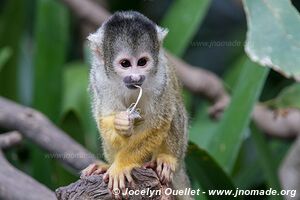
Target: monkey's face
{"points": [[134, 69], [128, 44]]}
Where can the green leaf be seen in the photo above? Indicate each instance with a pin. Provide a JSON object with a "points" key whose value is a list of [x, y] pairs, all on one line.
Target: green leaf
{"points": [[273, 37], [207, 172], [202, 128], [289, 97], [51, 34], [228, 136], [183, 20], [11, 30], [77, 101], [267, 161], [232, 75], [5, 54]]}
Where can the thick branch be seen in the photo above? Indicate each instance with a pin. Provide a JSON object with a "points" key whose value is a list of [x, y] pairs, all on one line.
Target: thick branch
{"points": [[15, 185], [93, 187], [204, 83], [283, 123], [10, 139], [36, 127], [88, 11]]}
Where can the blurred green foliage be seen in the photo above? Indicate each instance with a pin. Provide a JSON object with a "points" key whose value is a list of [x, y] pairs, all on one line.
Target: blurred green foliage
{"points": [[227, 154]]}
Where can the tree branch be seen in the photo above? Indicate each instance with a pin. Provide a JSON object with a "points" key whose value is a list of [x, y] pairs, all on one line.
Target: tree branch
{"points": [[93, 187], [10, 139], [36, 127], [15, 185], [282, 123], [88, 11]]}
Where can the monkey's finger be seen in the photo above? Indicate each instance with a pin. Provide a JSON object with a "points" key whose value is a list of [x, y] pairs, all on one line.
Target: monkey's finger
{"points": [[106, 177], [100, 170], [110, 182], [129, 178], [89, 170], [116, 187], [122, 184], [150, 164], [159, 168], [122, 116], [165, 174], [122, 121], [122, 127]]}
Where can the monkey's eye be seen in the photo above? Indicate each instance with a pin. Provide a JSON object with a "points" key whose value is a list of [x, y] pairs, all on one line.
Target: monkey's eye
{"points": [[125, 63], [142, 62]]}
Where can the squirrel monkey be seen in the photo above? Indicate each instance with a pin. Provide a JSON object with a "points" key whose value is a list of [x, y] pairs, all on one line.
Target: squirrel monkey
{"points": [[127, 52]]}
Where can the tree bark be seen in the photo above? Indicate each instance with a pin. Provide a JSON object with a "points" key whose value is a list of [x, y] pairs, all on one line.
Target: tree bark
{"points": [[94, 188]]}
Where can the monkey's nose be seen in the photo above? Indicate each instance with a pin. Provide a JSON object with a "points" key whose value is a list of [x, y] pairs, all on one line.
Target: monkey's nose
{"points": [[132, 80], [135, 78]]}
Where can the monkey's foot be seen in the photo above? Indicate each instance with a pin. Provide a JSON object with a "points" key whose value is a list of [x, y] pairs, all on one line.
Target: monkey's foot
{"points": [[95, 168], [116, 178], [164, 165]]}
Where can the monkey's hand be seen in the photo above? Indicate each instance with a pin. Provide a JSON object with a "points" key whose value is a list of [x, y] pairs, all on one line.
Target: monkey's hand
{"points": [[164, 165], [123, 123], [116, 177], [95, 168]]}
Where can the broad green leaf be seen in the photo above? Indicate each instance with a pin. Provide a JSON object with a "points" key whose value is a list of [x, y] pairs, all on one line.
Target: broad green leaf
{"points": [[26, 70], [195, 185], [11, 30], [207, 172], [77, 101], [202, 128], [5, 54], [231, 76], [249, 176], [273, 37], [183, 20], [287, 98], [227, 139], [267, 161], [51, 34]]}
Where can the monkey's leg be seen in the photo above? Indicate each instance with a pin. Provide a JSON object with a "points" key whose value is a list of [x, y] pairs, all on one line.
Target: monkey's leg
{"points": [[164, 165], [138, 150]]}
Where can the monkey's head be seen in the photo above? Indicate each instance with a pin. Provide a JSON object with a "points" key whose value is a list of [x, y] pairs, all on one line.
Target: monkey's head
{"points": [[128, 45]]}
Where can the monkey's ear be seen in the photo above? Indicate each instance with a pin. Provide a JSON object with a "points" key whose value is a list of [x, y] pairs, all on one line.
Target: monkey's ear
{"points": [[161, 33], [95, 41]]}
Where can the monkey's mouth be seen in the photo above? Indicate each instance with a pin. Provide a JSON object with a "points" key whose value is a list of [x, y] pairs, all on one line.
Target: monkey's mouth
{"points": [[132, 86]]}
